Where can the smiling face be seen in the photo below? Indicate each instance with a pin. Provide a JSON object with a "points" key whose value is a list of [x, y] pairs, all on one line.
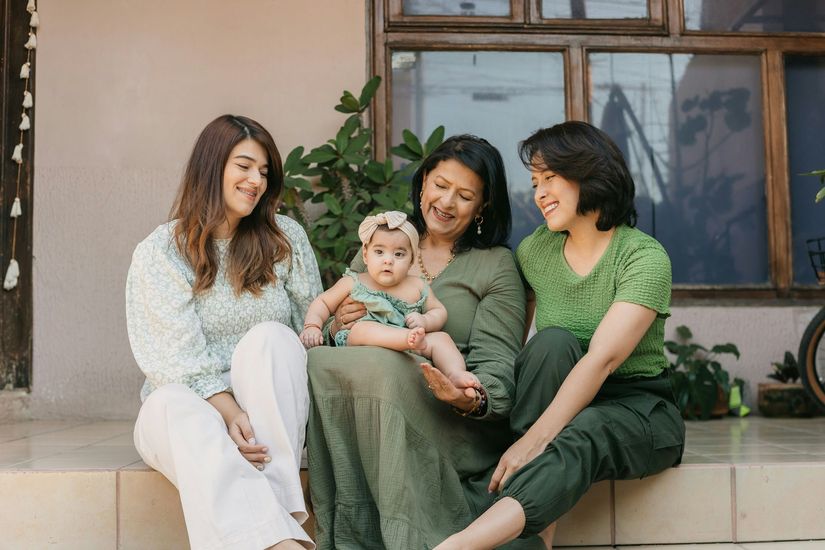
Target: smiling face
{"points": [[452, 195], [244, 180], [388, 256], [556, 198]]}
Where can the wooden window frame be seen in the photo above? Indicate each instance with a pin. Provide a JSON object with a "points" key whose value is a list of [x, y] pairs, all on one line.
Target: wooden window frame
{"points": [[444, 33], [16, 304]]}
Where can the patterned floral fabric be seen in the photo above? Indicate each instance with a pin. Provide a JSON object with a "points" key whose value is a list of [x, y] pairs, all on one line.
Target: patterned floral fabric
{"points": [[178, 337]]}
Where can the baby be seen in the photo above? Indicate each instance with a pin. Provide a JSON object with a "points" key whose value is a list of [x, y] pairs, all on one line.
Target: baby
{"points": [[402, 312]]}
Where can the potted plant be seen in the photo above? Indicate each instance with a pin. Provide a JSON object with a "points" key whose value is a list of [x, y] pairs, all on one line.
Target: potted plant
{"points": [[347, 183], [701, 385], [785, 397]]}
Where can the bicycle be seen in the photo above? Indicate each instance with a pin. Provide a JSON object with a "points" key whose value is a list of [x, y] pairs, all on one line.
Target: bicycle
{"points": [[812, 346]]}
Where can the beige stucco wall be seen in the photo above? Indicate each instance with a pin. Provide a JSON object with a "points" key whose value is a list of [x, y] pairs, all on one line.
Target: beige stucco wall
{"points": [[123, 88]]}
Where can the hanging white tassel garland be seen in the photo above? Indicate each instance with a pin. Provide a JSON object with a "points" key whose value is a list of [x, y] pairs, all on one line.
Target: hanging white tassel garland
{"points": [[28, 101], [25, 124], [34, 22], [30, 7], [24, 70], [17, 154], [12, 273], [31, 43], [16, 210]]}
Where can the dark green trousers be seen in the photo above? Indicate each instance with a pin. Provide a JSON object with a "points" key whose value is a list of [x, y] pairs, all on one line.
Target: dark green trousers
{"points": [[631, 429]]}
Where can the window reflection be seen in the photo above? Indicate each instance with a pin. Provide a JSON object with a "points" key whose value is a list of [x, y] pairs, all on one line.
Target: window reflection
{"points": [[755, 16], [805, 88], [690, 127], [500, 96], [457, 7], [594, 9]]}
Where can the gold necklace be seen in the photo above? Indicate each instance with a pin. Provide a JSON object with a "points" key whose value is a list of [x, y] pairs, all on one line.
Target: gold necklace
{"points": [[430, 278]]}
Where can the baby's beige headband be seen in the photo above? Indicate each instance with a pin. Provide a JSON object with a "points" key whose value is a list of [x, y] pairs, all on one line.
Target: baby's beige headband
{"points": [[393, 220]]}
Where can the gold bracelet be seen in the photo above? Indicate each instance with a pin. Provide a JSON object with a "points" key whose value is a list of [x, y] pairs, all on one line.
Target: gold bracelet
{"points": [[313, 325], [476, 403]]}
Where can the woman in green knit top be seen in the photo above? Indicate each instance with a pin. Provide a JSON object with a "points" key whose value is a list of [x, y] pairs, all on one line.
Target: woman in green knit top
{"points": [[399, 456], [593, 398]]}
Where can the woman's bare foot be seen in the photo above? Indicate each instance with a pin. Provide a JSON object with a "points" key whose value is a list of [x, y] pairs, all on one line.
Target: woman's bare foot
{"points": [[417, 339]]}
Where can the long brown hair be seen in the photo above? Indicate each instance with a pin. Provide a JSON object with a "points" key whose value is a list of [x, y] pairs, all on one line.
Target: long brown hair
{"points": [[200, 209]]}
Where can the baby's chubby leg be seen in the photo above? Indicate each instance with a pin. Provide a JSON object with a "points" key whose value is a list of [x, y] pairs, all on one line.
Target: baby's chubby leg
{"points": [[371, 333], [447, 359]]}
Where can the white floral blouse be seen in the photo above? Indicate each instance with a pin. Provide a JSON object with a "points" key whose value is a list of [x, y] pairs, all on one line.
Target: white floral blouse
{"points": [[178, 337]]}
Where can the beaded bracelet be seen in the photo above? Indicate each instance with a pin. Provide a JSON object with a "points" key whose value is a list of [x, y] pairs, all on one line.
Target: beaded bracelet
{"points": [[479, 402]]}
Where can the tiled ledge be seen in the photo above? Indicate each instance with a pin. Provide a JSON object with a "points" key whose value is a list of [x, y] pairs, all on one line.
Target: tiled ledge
{"points": [[82, 485]]}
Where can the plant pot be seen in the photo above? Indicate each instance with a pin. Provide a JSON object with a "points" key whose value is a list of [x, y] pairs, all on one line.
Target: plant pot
{"points": [[785, 400], [720, 408]]}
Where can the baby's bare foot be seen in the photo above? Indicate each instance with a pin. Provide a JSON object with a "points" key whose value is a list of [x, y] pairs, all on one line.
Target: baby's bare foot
{"points": [[416, 339]]}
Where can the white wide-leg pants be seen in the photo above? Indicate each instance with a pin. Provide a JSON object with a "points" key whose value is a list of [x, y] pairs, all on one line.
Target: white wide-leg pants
{"points": [[227, 503]]}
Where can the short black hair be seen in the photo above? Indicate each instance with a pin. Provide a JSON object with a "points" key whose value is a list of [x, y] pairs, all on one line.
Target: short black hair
{"points": [[585, 155], [481, 157]]}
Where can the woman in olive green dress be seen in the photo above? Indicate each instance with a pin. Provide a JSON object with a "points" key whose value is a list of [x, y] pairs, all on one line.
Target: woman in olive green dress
{"points": [[399, 457]]}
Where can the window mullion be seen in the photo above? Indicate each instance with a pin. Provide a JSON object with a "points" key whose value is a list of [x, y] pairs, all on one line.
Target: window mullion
{"points": [[575, 83], [776, 170]]}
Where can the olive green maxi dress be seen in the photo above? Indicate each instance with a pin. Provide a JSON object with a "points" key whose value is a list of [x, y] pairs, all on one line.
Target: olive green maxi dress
{"points": [[392, 467]]}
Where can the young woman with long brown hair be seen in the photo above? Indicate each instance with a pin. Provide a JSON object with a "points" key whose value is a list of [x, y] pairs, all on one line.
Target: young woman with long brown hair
{"points": [[214, 300]]}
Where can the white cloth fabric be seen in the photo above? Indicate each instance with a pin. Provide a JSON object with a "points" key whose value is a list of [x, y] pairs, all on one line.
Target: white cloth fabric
{"points": [[227, 503]]}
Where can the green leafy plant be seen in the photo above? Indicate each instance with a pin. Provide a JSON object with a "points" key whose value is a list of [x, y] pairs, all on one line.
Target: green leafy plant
{"points": [[699, 379], [347, 183], [821, 174], [787, 371]]}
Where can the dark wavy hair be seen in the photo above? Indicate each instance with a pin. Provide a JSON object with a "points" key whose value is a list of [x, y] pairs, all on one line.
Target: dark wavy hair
{"points": [[481, 157], [581, 153], [258, 242]]}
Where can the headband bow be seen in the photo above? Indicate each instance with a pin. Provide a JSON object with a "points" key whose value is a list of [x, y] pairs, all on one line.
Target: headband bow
{"points": [[393, 220]]}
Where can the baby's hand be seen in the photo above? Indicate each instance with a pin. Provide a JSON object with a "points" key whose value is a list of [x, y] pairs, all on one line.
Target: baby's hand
{"points": [[414, 320], [311, 337], [464, 379]]}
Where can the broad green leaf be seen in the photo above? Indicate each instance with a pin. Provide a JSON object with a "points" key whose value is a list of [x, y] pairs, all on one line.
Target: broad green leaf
{"points": [[434, 140], [349, 104], [368, 91], [374, 171], [405, 152], [355, 158], [358, 143], [293, 164], [412, 142], [322, 154], [683, 332], [341, 140], [334, 228], [300, 183], [726, 348], [333, 204]]}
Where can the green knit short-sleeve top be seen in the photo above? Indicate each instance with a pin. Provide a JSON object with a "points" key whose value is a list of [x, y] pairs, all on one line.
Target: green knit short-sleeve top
{"points": [[634, 268]]}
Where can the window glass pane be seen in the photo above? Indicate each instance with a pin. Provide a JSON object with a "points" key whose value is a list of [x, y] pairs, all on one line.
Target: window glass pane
{"points": [[690, 127], [594, 9], [805, 82], [750, 16], [500, 96], [457, 7]]}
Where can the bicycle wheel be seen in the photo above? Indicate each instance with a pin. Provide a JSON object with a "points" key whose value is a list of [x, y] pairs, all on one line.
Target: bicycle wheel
{"points": [[812, 358]]}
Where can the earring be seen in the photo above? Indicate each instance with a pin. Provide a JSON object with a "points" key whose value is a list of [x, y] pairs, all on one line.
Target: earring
{"points": [[479, 219]]}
